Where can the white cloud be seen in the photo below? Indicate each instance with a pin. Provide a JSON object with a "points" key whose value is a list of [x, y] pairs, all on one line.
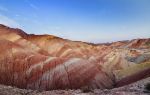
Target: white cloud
{"points": [[8, 21], [33, 6], [3, 8], [17, 15]]}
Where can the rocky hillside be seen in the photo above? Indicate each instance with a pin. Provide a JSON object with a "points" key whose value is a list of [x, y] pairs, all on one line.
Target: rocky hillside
{"points": [[47, 62]]}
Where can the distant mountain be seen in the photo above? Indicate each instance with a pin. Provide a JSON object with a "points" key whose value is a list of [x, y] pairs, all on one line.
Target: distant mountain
{"points": [[46, 62]]}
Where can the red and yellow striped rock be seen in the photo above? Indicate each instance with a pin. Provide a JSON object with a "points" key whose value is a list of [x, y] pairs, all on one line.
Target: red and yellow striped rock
{"points": [[47, 62]]}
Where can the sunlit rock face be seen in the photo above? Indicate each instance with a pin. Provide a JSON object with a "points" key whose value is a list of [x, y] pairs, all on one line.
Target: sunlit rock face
{"points": [[48, 62]]}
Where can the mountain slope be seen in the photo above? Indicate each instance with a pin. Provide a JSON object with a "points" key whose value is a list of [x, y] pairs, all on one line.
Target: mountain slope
{"points": [[48, 62]]}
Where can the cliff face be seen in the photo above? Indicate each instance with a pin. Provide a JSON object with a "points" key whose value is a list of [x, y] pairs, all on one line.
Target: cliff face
{"points": [[47, 62]]}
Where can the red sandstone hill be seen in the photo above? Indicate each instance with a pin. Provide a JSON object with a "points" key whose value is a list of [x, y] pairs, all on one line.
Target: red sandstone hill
{"points": [[48, 62]]}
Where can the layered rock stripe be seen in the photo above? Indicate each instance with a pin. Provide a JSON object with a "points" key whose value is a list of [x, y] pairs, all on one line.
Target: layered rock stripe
{"points": [[48, 62]]}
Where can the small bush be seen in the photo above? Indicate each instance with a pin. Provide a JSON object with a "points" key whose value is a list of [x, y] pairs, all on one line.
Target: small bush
{"points": [[148, 43], [86, 89], [147, 87]]}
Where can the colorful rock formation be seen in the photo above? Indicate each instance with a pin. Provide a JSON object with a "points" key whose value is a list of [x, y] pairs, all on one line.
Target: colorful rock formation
{"points": [[48, 62]]}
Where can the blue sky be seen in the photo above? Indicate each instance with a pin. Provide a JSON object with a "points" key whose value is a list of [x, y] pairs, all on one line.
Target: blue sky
{"points": [[85, 20]]}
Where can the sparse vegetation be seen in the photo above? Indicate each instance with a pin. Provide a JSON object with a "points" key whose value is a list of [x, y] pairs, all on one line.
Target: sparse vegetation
{"points": [[86, 89], [147, 87], [148, 43]]}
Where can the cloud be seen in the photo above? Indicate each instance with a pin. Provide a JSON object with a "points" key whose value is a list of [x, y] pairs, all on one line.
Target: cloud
{"points": [[8, 21], [17, 15], [33, 6], [3, 8]]}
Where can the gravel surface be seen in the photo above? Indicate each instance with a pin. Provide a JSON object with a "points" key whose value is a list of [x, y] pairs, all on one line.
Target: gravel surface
{"points": [[137, 88]]}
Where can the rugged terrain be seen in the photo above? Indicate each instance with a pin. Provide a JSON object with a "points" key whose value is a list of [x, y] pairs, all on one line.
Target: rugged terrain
{"points": [[47, 62], [137, 88]]}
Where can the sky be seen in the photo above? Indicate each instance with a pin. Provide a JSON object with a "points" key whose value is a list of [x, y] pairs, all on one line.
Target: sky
{"points": [[81, 20]]}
